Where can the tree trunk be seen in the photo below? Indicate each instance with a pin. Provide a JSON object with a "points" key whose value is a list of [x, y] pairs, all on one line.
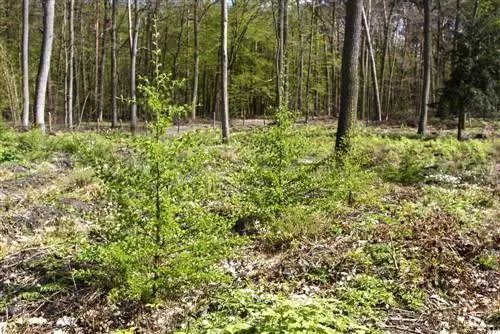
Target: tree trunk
{"points": [[300, 69], [280, 70], [114, 71], [373, 67], [309, 60], [223, 63], [133, 21], [196, 60], [102, 63], [349, 84], [44, 65], [426, 77], [25, 56], [96, 55], [387, 24], [71, 62]]}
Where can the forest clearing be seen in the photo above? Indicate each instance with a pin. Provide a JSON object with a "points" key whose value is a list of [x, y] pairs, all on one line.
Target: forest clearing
{"points": [[249, 166], [403, 237]]}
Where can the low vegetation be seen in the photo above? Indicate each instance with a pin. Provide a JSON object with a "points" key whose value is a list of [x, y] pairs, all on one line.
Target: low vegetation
{"points": [[105, 232]]}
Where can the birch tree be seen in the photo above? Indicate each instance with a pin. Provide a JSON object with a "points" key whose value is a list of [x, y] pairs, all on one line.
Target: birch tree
{"points": [[44, 65]]}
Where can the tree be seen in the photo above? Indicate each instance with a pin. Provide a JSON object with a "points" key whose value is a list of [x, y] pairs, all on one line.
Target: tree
{"points": [[426, 75], [133, 23], [71, 63], [223, 65], [25, 56], [196, 56], [474, 83], [349, 72], [281, 59], [44, 65], [373, 67], [114, 67]]}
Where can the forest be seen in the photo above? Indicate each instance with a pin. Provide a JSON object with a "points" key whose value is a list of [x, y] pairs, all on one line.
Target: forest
{"points": [[249, 166]]}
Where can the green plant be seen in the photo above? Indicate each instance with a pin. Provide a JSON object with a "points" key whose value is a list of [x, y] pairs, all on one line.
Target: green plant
{"points": [[246, 311], [157, 239]]}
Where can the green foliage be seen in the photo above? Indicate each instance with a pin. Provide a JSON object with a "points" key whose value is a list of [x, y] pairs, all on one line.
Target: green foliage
{"points": [[488, 260], [273, 171], [474, 84], [157, 238], [406, 160], [245, 311]]}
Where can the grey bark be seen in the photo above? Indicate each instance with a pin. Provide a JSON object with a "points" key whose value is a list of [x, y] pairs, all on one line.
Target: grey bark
{"points": [[44, 65], [309, 60], [114, 71], [196, 60], [71, 61], [224, 92], [373, 67], [349, 73], [426, 77], [134, 22], [300, 73], [25, 59], [280, 70], [102, 64]]}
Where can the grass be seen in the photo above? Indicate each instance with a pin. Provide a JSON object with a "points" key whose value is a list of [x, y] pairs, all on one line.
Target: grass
{"points": [[406, 226]]}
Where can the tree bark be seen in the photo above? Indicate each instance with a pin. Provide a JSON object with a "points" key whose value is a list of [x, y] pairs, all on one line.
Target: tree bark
{"points": [[44, 65], [196, 59], [309, 60], [280, 70], [102, 63], [349, 72], [422, 123], [373, 67], [134, 22], [224, 92], [300, 69], [71, 62], [25, 59], [114, 70]]}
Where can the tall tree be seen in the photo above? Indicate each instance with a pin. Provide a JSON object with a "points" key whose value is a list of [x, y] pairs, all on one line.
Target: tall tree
{"points": [[280, 70], [223, 70], [44, 65], [426, 73], [373, 67], [102, 63], [114, 67], [71, 62], [196, 58], [25, 56], [133, 23], [349, 72]]}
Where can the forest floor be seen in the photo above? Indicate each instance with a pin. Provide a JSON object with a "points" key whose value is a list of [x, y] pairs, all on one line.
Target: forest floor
{"points": [[414, 248]]}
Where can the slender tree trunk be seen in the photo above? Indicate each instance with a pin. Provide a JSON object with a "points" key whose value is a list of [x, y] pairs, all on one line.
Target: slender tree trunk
{"points": [[103, 63], [422, 123], [280, 70], [25, 56], [387, 24], [223, 62], [134, 22], [309, 60], [350, 84], [373, 67], [114, 70], [327, 80], [44, 65], [300, 74], [96, 55], [196, 59], [71, 63]]}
